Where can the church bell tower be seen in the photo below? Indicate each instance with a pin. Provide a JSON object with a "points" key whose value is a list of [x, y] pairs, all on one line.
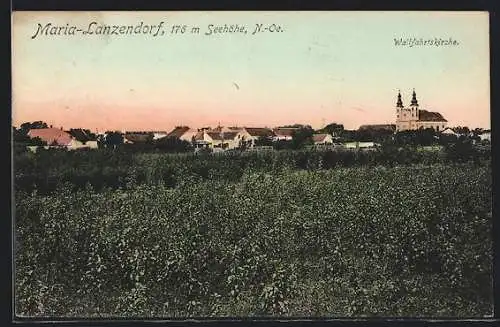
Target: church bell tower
{"points": [[414, 106], [399, 107]]}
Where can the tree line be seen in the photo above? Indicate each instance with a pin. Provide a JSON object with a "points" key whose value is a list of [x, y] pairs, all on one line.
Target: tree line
{"points": [[302, 137]]}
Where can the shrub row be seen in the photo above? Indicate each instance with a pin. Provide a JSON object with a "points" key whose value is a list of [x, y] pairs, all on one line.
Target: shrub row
{"points": [[115, 169]]}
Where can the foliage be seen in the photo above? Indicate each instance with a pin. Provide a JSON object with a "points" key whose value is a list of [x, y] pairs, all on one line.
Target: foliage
{"points": [[25, 127], [113, 139], [372, 241], [46, 169], [21, 137], [332, 129], [173, 144], [423, 137], [264, 141], [301, 137], [379, 135]]}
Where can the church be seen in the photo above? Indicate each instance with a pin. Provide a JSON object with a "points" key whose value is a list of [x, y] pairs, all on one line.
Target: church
{"points": [[412, 117]]}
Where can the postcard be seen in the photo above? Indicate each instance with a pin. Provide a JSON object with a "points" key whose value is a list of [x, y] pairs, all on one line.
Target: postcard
{"points": [[265, 164]]}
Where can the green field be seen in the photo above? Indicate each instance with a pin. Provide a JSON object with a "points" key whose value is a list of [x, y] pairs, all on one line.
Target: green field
{"points": [[410, 240]]}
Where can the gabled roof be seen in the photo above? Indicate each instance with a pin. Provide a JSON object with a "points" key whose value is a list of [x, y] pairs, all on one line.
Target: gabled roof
{"points": [[230, 135], [138, 137], [198, 136], [448, 130], [424, 115], [259, 131], [220, 136], [214, 135], [319, 137], [178, 131], [81, 135], [284, 131], [51, 136]]}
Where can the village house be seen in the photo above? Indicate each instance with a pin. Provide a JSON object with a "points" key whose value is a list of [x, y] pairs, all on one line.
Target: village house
{"points": [[56, 138], [284, 133], [361, 145], [222, 140], [222, 137], [84, 136], [137, 137], [322, 139], [227, 129], [159, 134], [252, 134], [199, 142], [183, 133], [485, 136], [449, 131]]}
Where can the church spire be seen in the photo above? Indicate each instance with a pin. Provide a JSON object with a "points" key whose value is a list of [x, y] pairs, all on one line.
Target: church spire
{"points": [[399, 104], [414, 101]]}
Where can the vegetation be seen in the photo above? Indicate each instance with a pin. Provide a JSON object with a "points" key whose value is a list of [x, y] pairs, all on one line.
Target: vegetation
{"points": [[400, 230], [369, 241]]}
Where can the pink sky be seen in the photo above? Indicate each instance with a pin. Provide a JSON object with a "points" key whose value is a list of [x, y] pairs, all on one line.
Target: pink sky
{"points": [[326, 67]]}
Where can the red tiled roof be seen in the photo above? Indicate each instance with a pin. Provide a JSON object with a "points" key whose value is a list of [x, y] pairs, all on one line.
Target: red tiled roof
{"points": [[51, 136], [258, 131], [178, 131], [425, 115]]}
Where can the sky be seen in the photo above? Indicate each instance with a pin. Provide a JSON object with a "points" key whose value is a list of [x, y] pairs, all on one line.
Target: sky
{"points": [[322, 67]]}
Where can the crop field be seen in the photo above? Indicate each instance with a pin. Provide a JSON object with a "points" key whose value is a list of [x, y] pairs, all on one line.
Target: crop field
{"points": [[404, 240]]}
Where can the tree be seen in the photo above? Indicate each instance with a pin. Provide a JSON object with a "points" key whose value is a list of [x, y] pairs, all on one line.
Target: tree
{"points": [[264, 141], [445, 139], [333, 129], [283, 145], [25, 127], [461, 151], [348, 136], [173, 144], [426, 137], [423, 137], [113, 139], [20, 136], [302, 137], [296, 126], [243, 144], [463, 130]]}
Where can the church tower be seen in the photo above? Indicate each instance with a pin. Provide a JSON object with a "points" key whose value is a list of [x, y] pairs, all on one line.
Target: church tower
{"points": [[414, 107], [399, 109]]}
